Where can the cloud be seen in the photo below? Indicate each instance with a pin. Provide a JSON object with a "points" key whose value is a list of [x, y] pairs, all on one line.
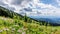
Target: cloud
{"points": [[27, 9], [6, 5], [17, 4], [2, 3], [45, 10], [58, 3], [32, 7], [14, 2]]}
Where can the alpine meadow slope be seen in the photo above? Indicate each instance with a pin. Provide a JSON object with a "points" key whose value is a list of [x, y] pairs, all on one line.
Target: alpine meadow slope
{"points": [[13, 23]]}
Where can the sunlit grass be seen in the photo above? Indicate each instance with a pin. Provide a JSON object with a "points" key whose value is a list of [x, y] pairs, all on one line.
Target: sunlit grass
{"points": [[15, 26]]}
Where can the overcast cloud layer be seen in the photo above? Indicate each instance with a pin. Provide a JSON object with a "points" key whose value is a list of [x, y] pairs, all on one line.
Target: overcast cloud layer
{"points": [[33, 7]]}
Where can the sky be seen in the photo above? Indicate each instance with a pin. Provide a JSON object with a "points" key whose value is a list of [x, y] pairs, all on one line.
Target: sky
{"points": [[43, 8]]}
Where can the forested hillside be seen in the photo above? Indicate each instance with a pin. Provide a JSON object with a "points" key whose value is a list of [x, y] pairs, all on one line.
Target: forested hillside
{"points": [[13, 23]]}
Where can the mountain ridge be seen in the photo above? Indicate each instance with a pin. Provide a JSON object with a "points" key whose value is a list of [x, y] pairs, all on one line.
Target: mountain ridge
{"points": [[8, 13]]}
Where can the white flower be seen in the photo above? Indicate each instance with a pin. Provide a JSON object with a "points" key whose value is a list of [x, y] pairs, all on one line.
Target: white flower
{"points": [[1, 30], [23, 32], [6, 29], [19, 30], [13, 29]]}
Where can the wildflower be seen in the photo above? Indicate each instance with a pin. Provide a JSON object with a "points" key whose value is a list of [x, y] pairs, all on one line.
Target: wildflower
{"points": [[19, 30], [24, 28], [6, 29], [1, 30], [13, 29], [23, 32]]}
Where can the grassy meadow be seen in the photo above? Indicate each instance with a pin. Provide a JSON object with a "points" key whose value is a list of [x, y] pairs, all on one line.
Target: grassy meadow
{"points": [[13, 23], [17, 26]]}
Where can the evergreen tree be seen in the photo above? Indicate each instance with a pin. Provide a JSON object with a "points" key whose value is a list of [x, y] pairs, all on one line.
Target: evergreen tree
{"points": [[25, 18]]}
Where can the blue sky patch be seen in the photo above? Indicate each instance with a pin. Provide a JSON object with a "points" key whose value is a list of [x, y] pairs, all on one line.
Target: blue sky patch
{"points": [[52, 2]]}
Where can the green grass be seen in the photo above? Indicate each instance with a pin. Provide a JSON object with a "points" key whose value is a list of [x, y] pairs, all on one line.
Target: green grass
{"points": [[16, 26], [13, 23]]}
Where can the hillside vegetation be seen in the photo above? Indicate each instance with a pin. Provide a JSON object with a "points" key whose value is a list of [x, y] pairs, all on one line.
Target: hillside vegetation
{"points": [[13, 23]]}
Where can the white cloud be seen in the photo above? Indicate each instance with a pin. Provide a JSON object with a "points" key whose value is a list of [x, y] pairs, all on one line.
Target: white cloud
{"points": [[17, 4], [44, 9], [58, 1]]}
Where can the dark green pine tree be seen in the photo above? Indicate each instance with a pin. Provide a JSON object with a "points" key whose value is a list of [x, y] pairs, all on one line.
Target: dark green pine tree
{"points": [[25, 18]]}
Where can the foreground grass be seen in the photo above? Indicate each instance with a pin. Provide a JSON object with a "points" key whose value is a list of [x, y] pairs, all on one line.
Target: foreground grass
{"points": [[16, 26]]}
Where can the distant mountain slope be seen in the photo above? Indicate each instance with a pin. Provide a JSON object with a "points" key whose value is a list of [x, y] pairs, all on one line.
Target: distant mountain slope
{"points": [[8, 13], [52, 21]]}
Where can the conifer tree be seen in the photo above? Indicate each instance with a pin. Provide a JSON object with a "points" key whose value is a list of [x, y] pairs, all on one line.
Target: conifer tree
{"points": [[25, 18]]}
